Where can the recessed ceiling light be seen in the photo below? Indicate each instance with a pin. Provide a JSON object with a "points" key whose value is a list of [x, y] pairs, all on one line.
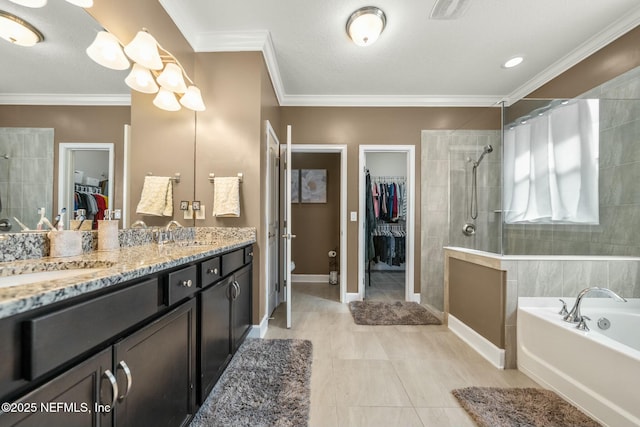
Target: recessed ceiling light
{"points": [[513, 62]]}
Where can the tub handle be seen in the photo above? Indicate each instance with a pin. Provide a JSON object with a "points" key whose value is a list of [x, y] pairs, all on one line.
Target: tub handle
{"points": [[563, 311], [582, 325]]}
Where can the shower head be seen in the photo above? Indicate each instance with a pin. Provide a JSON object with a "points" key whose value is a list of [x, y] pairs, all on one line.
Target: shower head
{"points": [[487, 149]]}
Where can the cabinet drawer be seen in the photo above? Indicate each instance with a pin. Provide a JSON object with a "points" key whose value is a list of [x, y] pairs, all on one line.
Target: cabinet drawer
{"points": [[210, 271], [248, 254], [181, 284], [55, 338], [232, 261]]}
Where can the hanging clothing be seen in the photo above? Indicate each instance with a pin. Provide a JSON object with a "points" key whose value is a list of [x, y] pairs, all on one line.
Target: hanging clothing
{"points": [[370, 217]]}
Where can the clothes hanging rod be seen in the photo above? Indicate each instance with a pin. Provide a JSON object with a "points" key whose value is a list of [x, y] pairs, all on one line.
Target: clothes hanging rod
{"points": [[175, 178], [212, 177]]}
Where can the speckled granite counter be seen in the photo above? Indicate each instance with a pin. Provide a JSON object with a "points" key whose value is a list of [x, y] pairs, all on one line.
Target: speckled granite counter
{"points": [[115, 267]]}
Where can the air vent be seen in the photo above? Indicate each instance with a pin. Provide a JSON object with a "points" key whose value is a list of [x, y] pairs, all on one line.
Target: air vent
{"points": [[449, 9]]}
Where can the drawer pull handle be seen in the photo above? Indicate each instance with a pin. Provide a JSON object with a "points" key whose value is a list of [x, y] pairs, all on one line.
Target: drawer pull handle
{"points": [[186, 283], [212, 271], [114, 386], [127, 372]]}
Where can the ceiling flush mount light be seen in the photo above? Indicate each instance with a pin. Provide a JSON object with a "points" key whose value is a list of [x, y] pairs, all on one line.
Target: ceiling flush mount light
{"points": [[148, 59], [17, 31], [365, 25], [513, 62], [42, 3]]}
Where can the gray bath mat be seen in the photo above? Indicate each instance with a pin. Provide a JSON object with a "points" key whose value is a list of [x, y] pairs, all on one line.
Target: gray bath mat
{"points": [[267, 383], [510, 407], [391, 313]]}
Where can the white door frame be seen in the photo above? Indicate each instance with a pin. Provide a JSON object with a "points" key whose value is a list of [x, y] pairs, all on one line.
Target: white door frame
{"points": [[65, 173], [268, 194], [342, 149], [410, 150]]}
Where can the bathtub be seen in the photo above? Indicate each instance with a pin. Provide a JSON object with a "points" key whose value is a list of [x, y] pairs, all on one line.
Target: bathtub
{"points": [[599, 370]]}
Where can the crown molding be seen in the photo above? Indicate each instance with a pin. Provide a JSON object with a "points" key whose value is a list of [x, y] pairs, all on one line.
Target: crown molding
{"points": [[586, 49], [65, 99], [389, 101]]}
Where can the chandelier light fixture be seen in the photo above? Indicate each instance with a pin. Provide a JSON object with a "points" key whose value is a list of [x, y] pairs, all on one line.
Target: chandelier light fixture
{"points": [[154, 70], [365, 25], [17, 31]]}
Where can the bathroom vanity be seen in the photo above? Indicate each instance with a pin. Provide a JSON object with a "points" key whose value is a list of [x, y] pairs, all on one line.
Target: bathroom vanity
{"points": [[139, 342]]}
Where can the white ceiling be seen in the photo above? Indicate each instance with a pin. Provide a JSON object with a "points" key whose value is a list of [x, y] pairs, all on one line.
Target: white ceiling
{"points": [[416, 61]]}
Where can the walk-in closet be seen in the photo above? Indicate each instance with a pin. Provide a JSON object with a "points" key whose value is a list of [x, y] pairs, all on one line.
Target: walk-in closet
{"points": [[385, 225]]}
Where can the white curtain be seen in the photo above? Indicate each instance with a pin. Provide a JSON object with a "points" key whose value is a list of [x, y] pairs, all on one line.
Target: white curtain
{"points": [[551, 165]]}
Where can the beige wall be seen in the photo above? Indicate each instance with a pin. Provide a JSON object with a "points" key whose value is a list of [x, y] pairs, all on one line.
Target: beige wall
{"points": [[74, 124], [316, 225], [354, 126]]}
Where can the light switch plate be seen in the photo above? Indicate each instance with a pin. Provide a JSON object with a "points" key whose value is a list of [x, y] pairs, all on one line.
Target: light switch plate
{"points": [[354, 216], [200, 213], [188, 214]]}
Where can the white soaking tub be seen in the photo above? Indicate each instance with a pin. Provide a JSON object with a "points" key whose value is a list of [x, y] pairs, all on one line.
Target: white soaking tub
{"points": [[599, 370]]}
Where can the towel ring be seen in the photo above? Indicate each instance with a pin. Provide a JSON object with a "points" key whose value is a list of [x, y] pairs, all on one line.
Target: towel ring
{"points": [[175, 178], [212, 177]]}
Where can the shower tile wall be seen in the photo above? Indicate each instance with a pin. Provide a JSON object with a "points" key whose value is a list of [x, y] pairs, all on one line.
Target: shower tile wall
{"points": [[26, 178], [445, 178], [618, 185]]}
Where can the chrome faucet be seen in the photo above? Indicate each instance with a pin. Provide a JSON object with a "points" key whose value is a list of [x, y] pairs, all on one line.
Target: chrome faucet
{"points": [[139, 224], [172, 223], [574, 316]]}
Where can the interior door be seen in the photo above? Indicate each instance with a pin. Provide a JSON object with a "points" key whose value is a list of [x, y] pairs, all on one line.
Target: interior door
{"points": [[273, 218], [286, 235]]}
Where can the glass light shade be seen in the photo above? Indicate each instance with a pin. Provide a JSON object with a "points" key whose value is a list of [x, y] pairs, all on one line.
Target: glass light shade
{"points": [[192, 99], [81, 3], [166, 100], [30, 3], [17, 31], [365, 25], [143, 49], [171, 78], [106, 51], [140, 79]]}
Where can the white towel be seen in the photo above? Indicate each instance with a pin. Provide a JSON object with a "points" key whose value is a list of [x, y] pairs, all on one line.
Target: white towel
{"points": [[226, 197], [157, 196]]}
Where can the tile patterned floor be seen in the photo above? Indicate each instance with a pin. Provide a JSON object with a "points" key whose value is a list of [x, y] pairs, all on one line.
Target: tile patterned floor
{"points": [[383, 375]]}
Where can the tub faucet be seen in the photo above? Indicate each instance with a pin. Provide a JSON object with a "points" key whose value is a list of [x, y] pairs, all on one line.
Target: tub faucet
{"points": [[575, 316]]}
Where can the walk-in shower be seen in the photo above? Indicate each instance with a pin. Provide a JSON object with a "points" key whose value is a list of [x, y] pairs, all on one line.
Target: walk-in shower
{"points": [[469, 229]]}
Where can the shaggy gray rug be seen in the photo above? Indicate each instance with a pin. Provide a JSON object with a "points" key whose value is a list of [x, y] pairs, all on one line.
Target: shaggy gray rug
{"points": [[515, 407], [267, 383], [391, 313]]}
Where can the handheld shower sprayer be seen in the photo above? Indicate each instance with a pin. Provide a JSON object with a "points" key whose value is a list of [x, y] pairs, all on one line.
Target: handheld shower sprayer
{"points": [[474, 182]]}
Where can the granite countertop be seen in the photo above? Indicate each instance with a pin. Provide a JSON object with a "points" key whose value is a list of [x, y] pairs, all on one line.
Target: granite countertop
{"points": [[117, 266]]}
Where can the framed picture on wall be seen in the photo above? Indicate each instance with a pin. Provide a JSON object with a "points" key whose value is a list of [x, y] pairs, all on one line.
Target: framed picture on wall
{"points": [[295, 186], [313, 185]]}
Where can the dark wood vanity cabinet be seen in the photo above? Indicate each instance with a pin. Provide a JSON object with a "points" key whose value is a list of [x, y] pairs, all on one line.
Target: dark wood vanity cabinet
{"points": [[225, 319], [157, 342]]}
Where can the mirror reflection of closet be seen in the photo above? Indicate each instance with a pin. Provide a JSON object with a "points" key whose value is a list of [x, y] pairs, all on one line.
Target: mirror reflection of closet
{"points": [[385, 275], [85, 180]]}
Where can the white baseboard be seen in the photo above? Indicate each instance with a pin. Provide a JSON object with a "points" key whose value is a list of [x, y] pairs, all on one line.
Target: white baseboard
{"points": [[352, 297], [415, 297], [259, 331], [479, 343], [310, 278]]}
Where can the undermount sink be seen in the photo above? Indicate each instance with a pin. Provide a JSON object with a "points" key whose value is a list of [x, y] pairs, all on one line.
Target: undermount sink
{"points": [[53, 271]]}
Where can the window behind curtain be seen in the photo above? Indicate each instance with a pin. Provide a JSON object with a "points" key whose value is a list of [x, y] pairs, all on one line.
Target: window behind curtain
{"points": [[551, 165]]}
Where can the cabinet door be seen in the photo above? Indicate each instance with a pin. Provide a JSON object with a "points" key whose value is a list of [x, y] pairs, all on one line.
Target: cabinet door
{"points": [[241, 307], [79, 397], [215, 335], [155, 368]]}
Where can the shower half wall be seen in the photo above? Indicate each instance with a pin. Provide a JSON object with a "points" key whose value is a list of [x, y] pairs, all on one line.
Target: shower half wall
{"points": [[446, 192]]}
